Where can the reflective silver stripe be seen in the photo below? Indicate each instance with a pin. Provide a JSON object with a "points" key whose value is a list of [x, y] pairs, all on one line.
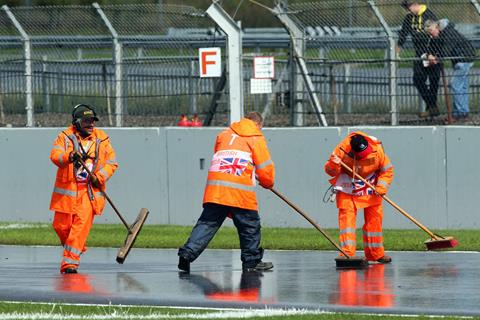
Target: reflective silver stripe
{"points": [[65, 192], [264, 164], [99, 194], [112, 161], [104, 173], [385, 168], [60, 158], [348, 243], [373, 244], [58, 147], [383, 183], [75, 142], [71, 261], [230, 185], [72, 250], [66, 141], [347, 230], [373, 234]]}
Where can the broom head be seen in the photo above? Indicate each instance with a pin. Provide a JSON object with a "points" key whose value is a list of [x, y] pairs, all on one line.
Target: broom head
{"points": [[133, 232], [441, 243], [344, 262]]}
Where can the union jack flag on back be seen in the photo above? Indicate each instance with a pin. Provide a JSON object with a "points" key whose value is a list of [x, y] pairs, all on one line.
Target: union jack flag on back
{"points": [[234, 166]]}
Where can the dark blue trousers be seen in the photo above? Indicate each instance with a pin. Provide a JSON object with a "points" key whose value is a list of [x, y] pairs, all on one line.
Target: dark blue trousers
{"points": [[248, 227]]}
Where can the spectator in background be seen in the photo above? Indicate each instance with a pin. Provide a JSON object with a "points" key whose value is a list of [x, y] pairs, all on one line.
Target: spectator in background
{"points": [[184, 122], [196, 121], [448, 42], [413, 25]]}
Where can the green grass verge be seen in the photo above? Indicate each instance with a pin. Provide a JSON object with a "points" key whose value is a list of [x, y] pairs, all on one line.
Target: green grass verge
{"points": [[73, 312], [167, 236]]}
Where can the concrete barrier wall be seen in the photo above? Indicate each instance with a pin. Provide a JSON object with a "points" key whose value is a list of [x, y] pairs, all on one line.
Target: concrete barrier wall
{"points": [[165, 169]]}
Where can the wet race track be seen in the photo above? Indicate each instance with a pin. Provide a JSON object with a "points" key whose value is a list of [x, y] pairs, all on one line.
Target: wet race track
{"points": [[415, 283]]}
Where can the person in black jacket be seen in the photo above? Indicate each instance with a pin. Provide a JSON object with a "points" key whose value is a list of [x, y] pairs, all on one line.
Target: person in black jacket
{"points": [[447, 42], [413, 25]]}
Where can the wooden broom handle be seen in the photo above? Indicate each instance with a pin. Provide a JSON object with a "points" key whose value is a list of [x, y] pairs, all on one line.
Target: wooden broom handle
{"points": [[281, 196], [84, 165], [393, 204]]}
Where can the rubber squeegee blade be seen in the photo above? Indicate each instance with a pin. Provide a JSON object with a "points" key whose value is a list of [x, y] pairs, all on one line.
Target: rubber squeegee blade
{"points": [[351, 263], [133, 232]]}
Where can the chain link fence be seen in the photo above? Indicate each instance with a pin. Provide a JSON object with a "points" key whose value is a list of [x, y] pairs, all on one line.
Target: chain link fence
{"points": [[350, 52], [138, 64]]}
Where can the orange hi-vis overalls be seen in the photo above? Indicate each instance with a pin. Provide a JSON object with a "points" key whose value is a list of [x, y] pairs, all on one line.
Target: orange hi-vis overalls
{"points": [[74, 199], [353, 194], [239, 150]]}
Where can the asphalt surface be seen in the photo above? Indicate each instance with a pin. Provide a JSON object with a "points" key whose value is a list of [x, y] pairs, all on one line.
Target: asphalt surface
{"points": [[436, 283]]}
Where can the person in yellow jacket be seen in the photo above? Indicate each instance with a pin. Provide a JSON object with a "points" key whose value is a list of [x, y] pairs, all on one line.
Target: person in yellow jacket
{"points": [[240, 156], [76, 197], [365, 155]]}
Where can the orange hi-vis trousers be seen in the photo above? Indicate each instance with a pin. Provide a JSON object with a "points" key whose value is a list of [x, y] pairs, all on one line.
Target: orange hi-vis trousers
{"points": [[372, 231], [73, 229]]}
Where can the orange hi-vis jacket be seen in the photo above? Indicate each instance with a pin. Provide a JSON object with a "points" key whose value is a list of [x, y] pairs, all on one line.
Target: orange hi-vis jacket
{"points": [[104, 165], [375, 168], [240, 151]]}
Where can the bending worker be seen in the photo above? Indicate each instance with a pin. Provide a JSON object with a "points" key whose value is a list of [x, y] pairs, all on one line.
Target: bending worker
{"points": [[240, 152], [77, 197], [364, 155]]}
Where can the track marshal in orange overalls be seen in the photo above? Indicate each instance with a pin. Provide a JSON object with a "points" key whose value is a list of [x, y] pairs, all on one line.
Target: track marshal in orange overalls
{"points": [[364, 154], [241, 155], [76, 197]]}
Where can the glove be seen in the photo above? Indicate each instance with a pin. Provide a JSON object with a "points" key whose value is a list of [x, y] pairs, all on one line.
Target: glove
{"points": [[74, 156], [94, 181]]}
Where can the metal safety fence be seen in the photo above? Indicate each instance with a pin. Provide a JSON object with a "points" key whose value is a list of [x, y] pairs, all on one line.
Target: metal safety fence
{"points": [[138, 64]]}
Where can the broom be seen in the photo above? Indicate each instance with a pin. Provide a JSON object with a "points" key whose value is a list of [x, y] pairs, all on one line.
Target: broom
{"points": [[133, 230], [341, 263], [435, 243]]}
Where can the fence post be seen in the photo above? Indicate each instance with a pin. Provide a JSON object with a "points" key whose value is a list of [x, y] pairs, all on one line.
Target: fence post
{"points": [[392, 64], [27, 48], [191, 85], [298, 51], [347, 101], [235, 71], [117, 53], [476, 5], [45, 86]]}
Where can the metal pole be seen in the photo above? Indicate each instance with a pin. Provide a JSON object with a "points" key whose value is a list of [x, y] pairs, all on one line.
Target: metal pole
{"points": [[234, 43], [45, 86], [476, 5], [27, 49], [117, 53], [298, 45], [392, 64]]}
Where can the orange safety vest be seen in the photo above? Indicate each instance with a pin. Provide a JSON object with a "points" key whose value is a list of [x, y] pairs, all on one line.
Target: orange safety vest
{"points": [[104, 165], [240, 151], [375, 168]]}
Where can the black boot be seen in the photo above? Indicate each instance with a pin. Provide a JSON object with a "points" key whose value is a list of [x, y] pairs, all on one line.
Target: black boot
{"points": [[260, 266], [183, 264]]}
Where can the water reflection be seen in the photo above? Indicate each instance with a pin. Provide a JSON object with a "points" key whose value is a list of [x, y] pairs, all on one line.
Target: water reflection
{"points": [[75, 283], [368, 287], [248, 290]]}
